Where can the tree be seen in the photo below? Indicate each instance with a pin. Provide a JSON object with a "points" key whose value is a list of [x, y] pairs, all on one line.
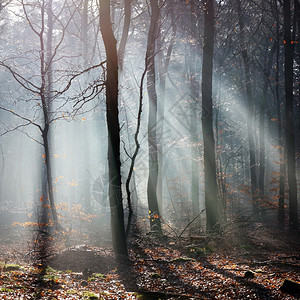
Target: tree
{"points": [[262, 115], [43, 90], [193, 78], [289, 115], [163, 62], [122, 46], [155, 223], [250, 117], [85, 44], [37, 80], [211, 188], [113, 127]]}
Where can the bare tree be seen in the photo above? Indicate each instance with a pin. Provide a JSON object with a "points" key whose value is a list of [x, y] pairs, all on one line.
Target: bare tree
{"points": [[41, 86], [211, 188], [289, 115], [155, 222], [112, 118], [122, 46], [250, 117]]}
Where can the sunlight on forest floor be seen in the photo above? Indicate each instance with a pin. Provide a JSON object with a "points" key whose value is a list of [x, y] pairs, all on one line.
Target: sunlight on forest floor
{"points": [[247, 261]]}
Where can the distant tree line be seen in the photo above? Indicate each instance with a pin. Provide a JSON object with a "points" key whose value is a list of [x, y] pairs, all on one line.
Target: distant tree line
{"points": [[203, 95]]}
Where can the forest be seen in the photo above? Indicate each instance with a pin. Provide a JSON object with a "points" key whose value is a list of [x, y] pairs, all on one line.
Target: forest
{"points": [[149, 149]]}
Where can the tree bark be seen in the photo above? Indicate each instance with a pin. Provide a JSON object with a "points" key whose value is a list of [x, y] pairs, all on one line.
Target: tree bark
{"points": [[127, 17], [250, 117], [210, 177], [113, 127], [154, 214], [85, 131], [289, 116], [163, 66], [262, 117], [45, 94], [281, 142], [194, 126]]}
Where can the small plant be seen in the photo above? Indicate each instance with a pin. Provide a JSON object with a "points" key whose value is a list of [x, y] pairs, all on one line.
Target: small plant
{"points": [[71, 292], [50, 270], [89, 295], [51, 277], [5, 289], [96, 276], [197, 252]]}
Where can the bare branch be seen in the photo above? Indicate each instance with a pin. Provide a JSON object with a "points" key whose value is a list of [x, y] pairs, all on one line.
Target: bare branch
{"points": [[68, 85], [25, 83], [22, 117]]}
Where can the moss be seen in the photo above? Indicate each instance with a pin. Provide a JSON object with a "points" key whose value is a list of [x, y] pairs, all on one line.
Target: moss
{"points": [[209, 249], [71, 292], [181, 259], [89, 295], [247, 247], [140, 296], [51, 277], [197, 252], [50, 270], [12, 267], [5, 289], [96, 276], [20, 287], [155, 275]]}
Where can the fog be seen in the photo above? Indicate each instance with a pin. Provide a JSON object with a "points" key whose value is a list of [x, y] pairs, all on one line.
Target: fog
{"points": [[72, 64]]}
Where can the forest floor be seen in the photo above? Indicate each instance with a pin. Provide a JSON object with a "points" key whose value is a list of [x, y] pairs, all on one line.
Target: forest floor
{"points": [[248, 261]]}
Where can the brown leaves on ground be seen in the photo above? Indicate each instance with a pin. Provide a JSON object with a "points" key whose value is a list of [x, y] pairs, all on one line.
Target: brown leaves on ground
{"points": [[157, 270]]}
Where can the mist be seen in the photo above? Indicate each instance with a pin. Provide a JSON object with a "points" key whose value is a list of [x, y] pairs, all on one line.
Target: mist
{"points": [[134, 126]]}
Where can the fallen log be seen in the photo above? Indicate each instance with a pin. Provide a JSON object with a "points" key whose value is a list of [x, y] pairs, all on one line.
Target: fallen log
{"points": [[290, 287], [161, 295]]}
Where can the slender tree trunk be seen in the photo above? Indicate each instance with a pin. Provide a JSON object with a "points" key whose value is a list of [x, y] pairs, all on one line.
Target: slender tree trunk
{"points": [[155, 223], [49, 54], [221, 174], [289, 116], [250, 115], [45, 136], [262, 116], [136, 151], [163, 64], [194, 127], [45, 94], [112, 118], [160, 117], [282, 162], [86, 149], [210, 177], [127, 17]]}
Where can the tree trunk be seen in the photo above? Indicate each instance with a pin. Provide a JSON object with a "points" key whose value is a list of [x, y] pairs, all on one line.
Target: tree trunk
{"points": [[210, 177], [45, 94], [49, 175], [262, 116], [250, 117], [289, 116], [113, 127], [163, 64], [136, 151], [155, 223], [194, 87], [86, 149], [282, 162], [127, 17]]}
